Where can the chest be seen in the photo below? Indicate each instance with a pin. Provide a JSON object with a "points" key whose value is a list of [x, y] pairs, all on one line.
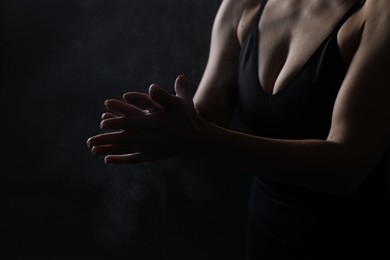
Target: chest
{"points": [[289, 32]]}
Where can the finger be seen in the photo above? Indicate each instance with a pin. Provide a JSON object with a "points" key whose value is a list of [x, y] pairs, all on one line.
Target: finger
{"points": [[107, 138], [126, 158], [108, 115], [135, 158], [133, 123], [122, 108], [112, 150], [168, 101], [125, 142], [142, 101], [183, 90]]}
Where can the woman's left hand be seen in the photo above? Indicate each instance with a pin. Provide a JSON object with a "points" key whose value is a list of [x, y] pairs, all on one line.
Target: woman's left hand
{"points": [[150, 127]]}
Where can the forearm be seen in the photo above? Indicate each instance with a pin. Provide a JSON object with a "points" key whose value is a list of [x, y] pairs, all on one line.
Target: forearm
{"points": [[314, 164]]}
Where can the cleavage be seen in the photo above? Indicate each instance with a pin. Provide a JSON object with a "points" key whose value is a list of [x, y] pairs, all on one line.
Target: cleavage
{"points": [[287, 37]]}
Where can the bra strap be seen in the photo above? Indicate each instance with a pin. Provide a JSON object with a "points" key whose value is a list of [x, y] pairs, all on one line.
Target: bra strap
{"points": [[262, 6]]}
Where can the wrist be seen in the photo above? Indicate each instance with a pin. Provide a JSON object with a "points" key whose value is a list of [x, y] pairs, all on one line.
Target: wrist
{"points": [[206, 141]]}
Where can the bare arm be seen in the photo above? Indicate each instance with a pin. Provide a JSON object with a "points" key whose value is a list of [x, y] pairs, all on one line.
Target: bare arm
{"points": [[213, 99], [360, 131], [359, 134]]}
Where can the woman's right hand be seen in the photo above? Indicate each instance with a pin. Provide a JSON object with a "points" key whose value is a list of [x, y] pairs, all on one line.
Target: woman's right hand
{"points": [[149, 127]]}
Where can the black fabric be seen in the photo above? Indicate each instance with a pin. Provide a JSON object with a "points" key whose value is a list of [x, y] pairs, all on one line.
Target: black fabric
{"points": [[303, 108], [296, 217], [277, 232]]}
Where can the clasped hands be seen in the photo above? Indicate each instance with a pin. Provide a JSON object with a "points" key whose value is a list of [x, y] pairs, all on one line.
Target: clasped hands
{"points": [[149, 127]]}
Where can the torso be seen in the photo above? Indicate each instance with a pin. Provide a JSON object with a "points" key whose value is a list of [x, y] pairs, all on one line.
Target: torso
{"points": [[290, 32]]}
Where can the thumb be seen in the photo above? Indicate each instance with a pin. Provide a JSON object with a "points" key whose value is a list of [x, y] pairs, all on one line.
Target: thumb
{"points": [[183, 89], [163, 98]]}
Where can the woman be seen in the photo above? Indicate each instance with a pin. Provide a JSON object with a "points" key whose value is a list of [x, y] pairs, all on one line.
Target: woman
{"points": [[310, 78]]}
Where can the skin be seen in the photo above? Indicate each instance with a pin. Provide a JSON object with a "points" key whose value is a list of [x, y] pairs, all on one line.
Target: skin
{"points": [[158, 125]]}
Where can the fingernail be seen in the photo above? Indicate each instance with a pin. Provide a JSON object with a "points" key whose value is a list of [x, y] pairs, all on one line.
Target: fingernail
{"points": [[153, 88], [107, 102], [104, 124], [107, 159]]}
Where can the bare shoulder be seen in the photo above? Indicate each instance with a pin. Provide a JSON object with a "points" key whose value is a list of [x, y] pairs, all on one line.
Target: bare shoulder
{"points": [[375, 39], [377, 13], [230, 12], [214, 98], [379, 7], [235, 16]]}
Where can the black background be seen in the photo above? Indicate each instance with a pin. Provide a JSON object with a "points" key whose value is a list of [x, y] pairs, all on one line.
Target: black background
{"points": [[60, 59]]}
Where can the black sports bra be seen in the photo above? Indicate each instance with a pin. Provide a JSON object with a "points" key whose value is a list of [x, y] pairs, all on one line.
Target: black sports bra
{"points": [[303, 108]]}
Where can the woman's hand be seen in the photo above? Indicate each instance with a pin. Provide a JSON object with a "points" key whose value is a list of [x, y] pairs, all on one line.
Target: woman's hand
{"points": [[149, 126]]}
